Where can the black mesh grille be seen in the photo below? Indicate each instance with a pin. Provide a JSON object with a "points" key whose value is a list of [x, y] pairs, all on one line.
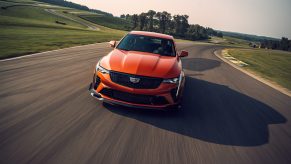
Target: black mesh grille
{"points": [[144, 82], [134, 98]]}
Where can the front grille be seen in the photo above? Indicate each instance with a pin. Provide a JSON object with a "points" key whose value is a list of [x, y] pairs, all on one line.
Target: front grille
{"points": [[134, 98], [144, 82]]}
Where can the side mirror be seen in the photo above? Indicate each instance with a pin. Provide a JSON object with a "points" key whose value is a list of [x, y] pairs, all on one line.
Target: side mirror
{"points": [[112, 43], [183, 53]]}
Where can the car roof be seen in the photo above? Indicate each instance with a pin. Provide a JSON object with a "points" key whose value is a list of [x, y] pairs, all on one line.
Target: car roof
{"points": [[153, 34]]}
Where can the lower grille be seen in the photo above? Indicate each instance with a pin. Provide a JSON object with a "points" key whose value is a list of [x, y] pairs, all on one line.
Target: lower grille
{"points": [[134, 98]]}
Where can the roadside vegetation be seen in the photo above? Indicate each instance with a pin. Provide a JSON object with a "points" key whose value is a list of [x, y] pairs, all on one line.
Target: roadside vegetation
{"points": [[274, 65], [166, 23], [229, 41], [283, 44], [262, 41], [16, 41], [27, 27], [111, 22], [31, 26], [72, 5]]}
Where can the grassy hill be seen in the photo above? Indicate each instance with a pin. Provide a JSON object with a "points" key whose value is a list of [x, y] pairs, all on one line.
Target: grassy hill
{"points": [[28, 26], [274, 65], [31, 16], [230, 41], [69, 4], [111, 22], [248, 37]]}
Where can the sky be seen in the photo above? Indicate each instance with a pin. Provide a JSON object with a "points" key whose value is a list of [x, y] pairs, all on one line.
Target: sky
{"points": [[260, 17]]}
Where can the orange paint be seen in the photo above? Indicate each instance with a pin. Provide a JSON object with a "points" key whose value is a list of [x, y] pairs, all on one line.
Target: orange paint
{"points": [[136, 73]]}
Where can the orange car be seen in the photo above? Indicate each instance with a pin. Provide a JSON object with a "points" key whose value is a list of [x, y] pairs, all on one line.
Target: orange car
{"points": [[143, 70]]}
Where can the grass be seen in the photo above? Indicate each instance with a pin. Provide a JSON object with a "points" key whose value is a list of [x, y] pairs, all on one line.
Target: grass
{"points": [[274, 65], [110, 22], [230, 41], [16, 41], [26, 29], [33, 17], [21, 1], [183, 40]]}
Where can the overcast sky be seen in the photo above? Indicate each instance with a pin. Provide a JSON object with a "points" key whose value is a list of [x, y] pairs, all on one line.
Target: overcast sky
{"points": [[260, 17]]}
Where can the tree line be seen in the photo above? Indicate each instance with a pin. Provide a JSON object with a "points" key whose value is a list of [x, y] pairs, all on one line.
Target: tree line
{"points": [[164, 22], [283, 44]]}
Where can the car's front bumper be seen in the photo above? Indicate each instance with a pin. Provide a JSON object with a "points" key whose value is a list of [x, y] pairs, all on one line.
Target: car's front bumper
{"points": [[163, 91]]}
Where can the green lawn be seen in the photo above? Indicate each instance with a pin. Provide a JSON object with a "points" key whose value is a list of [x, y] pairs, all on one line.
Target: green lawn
{"points": [[33, 17], [21, 1], [230, 41], [26, 29], [110, 22], [274, 65], [16, 41]]}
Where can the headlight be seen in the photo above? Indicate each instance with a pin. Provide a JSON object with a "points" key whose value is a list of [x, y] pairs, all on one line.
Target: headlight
{"points": [[172, 80], [101, 69]]}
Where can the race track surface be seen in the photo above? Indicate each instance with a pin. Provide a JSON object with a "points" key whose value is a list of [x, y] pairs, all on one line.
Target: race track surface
{"points": [[48, 116]]}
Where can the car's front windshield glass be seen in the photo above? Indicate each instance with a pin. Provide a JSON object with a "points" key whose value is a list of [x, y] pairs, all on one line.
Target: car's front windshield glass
{"points": [[161, 46]]}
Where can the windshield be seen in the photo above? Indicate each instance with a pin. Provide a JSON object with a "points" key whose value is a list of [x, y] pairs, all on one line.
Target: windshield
{"points": [[164, 47]]}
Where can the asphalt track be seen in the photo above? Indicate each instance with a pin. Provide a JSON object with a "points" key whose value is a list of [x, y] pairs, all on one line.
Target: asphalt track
{"points": [[48, 116]]}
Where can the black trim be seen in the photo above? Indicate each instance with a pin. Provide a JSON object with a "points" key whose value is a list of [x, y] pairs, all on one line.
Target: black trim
{"points": [[134, 98]]}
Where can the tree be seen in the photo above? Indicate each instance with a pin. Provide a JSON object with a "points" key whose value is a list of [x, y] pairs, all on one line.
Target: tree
{"points": [[184, 24], [211, 32], [219, 34], [270, 44], [164, 20], [196, 32], [181, 24], [134, 19], [177, 25], [142, 21], [127, 17], [171, 27], [122, 16], [177, 22], [284, 44], [151, 14]]}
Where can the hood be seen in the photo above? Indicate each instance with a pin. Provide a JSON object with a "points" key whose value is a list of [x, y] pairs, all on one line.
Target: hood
{"points": [[142, 63]]}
